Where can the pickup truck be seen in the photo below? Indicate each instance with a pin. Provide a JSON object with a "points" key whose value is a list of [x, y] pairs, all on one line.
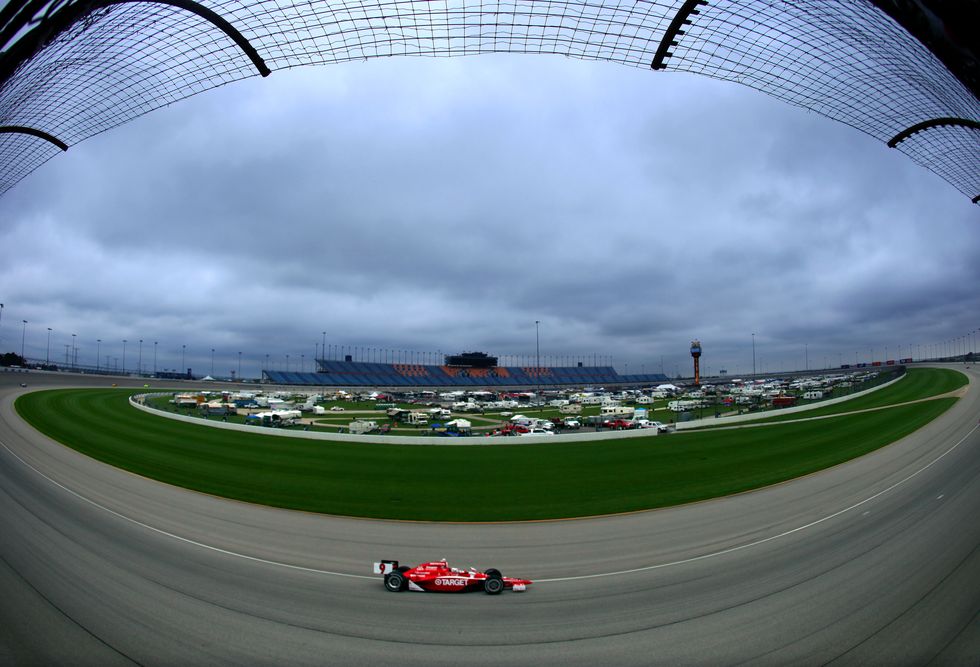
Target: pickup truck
{"points": [[560, 423], [646, 423]]}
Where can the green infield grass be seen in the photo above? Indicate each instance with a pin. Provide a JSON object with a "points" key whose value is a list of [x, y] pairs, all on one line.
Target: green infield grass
{"points": [[503, 481]]}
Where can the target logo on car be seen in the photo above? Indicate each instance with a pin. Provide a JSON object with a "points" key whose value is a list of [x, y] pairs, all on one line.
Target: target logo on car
{"points": [[451, 582]]}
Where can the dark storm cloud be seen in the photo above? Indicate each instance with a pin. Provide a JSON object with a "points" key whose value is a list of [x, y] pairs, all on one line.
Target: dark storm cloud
{"points": [[447, 205]]}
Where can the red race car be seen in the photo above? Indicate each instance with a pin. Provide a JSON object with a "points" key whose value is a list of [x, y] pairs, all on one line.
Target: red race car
{"points": [[438, 576]]}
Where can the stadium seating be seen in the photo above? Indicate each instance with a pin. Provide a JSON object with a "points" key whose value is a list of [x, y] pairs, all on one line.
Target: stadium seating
{"points": [[333, 373]]}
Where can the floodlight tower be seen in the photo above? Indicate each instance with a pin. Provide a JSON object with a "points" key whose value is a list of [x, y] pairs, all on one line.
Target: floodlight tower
{"points": [[696, 353]]}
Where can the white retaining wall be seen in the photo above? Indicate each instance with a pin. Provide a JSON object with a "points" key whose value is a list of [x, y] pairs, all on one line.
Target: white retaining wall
{"points": [[135, 401]]}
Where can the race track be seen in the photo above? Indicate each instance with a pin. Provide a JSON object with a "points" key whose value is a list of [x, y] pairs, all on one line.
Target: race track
{"points": [[874, 562]]}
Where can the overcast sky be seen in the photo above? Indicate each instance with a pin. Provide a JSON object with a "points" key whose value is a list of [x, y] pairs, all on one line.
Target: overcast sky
{"points": [[448, 204]]}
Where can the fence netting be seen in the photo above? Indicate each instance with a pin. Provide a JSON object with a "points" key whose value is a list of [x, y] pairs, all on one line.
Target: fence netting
{"points": [[114, 61]]}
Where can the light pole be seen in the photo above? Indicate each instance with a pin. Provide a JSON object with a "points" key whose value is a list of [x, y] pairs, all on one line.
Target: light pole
{"points": [[155, 357], [47, 355], [74, 352], [183, 350], [124, 355], [139, 360], [537, 345], [323, 346], [212, 362], [806, 356], [23, 335], [753, 355], [98, 353]]}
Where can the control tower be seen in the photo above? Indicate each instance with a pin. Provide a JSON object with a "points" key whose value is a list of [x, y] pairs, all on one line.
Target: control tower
{"points": [[696, 353]]}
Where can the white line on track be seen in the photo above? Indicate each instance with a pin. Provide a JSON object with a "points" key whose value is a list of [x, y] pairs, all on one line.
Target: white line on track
{"points": [[537, 581]]}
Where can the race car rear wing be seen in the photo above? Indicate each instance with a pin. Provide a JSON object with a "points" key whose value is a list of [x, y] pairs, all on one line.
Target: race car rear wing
{"points": [[385, 567]]}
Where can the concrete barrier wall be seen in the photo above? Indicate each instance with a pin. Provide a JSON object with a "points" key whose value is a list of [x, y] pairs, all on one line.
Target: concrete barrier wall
{"points": [[753, 416], [136, 402]]}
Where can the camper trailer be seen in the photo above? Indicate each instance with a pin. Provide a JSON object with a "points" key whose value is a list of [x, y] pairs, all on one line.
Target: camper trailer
{"points": [[360, 426], [417, 418], [683, 406], [617, 411]]}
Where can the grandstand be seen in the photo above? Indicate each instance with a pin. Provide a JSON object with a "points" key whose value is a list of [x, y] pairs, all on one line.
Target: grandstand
{"points": [[334, 373]]}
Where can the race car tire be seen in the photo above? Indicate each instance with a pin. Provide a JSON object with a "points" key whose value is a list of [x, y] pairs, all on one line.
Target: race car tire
{"points": [[493, 585], [492, 573], [395, 581], [403, 568]]}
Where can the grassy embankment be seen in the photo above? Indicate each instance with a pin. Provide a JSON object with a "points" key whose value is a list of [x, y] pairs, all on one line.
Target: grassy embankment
{"points": [[445, 483]]}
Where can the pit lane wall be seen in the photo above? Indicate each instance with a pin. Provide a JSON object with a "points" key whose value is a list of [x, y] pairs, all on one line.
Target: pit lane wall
{"points": [[137, 401], [755, 416]]}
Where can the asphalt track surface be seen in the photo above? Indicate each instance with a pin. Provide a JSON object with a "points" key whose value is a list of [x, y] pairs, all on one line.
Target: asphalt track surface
{"points": [[876, 561]]}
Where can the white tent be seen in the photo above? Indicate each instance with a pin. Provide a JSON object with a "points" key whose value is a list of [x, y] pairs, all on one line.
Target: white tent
{"points": [[460, 423]]}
